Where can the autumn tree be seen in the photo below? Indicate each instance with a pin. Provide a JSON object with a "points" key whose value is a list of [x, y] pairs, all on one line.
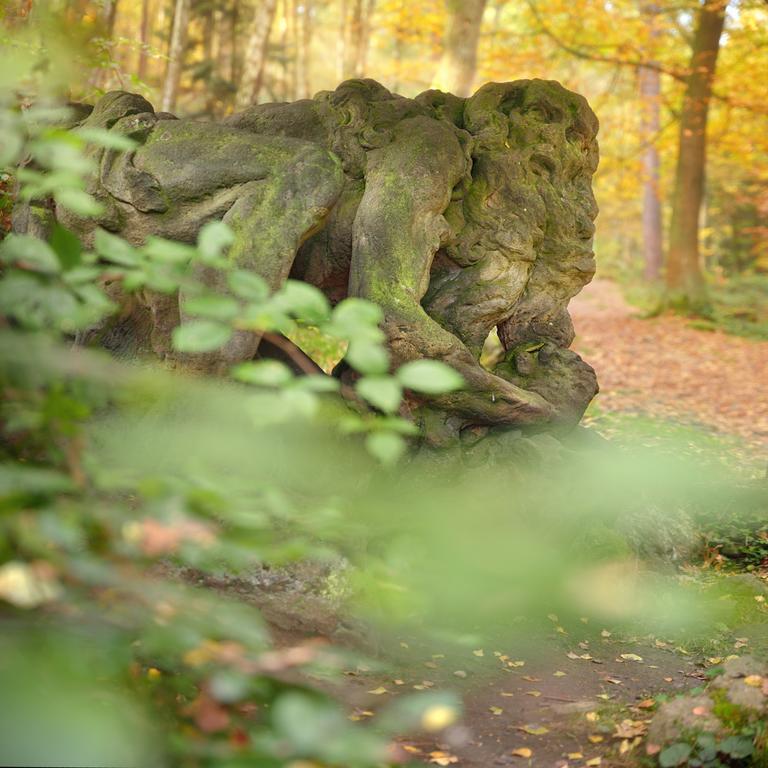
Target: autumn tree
{"points": [[685, 286], [175, 55], [458, 64], [255, 54]]}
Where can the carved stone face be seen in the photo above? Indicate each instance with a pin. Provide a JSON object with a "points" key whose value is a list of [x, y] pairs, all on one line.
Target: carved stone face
{"points": [[531, 200]]}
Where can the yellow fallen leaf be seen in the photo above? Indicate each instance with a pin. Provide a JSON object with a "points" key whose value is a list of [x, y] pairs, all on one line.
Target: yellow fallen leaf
{"points": [[534, 730], [631, 657], [606, 633], [399, 682], [153, 673], [479, 652], [715, 660], [442, 758], [755, 681], [495, 710], [439, 716], [593, 717], [559, 674], [515, 663], [574, 756], [532, 679], [535, 694], [412, 749], [508, 695], [522, 752], [595, 761], [595, 738], [759, 599], [379, 691]]}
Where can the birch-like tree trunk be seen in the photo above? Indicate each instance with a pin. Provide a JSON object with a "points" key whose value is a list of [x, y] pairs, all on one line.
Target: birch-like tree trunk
{"points": [[143, 40], [685, 287], [304, 29], [255, 54], [456, 72], [650, 97], [175, 55]]}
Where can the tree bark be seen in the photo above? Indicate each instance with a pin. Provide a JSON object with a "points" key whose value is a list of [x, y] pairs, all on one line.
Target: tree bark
{"points": [[175, 55], [650, 96], [143, 40], [342, 42], [303, 44], [255, 54], [458, 64], [685, 287]]}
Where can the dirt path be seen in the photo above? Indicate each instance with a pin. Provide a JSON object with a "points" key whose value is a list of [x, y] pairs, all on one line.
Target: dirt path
{"points": [[664, 368]]}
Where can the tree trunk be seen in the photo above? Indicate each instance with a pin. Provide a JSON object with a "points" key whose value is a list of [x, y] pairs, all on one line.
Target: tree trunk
{"points": [[685, 287], [650, 96], [175, 55], [303, 45], [456, 72], [342, 42], [255, 54], [143, 40]]}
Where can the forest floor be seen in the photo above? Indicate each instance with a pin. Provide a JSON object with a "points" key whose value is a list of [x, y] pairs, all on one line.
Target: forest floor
{"points": [[584, 697], [663, 368]]}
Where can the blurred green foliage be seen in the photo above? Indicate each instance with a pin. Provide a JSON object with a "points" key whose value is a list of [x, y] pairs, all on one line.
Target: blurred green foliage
{"points": [[116, 479]]}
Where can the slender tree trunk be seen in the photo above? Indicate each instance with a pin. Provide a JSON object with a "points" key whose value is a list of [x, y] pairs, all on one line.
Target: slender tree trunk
{"points": [[365, 46], [342, 42], [255, 54], [650, 96], [458, 64], [175, 55], [304, 43], [684, 277], [143, 40], [234, 65]]}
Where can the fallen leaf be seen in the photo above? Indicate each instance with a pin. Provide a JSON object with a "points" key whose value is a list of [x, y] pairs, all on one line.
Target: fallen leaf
{"points": [[592, 717], [631, 657], [430, 664], [649, 703], [460, 673], [532, 679], [535, 694], [515, 663], [534, 730], [574, 756], [595, 761], [495, 710], [614, 680], [595, 738], [508, 695], [606, 633], [479, 652], [399, 682], [754, 681], [559, 674], [379, 691], [442, 758], [412, 749], [522, 752]]}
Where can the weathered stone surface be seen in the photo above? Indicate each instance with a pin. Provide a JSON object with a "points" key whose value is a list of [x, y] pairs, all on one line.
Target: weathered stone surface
{"points": [[457, 216]]}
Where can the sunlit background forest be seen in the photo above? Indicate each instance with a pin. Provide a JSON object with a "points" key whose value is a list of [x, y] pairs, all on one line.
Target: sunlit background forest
{"points": [[280, 570], [631, 59]]}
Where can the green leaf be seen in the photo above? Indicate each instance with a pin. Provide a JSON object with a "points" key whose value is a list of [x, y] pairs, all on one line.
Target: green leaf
{"points": [[303, 301], [29, 253], [108, 139], [214, 238], [353, 313], [430, 377], [675, 755], [737, 747], [248, 285], [317, 383], [201, 336], [78, 202], [67, 245], [367, 357], [383, 392], [168, 251], [265, 373], [115, 250], [387, 447], [213, 306]]}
